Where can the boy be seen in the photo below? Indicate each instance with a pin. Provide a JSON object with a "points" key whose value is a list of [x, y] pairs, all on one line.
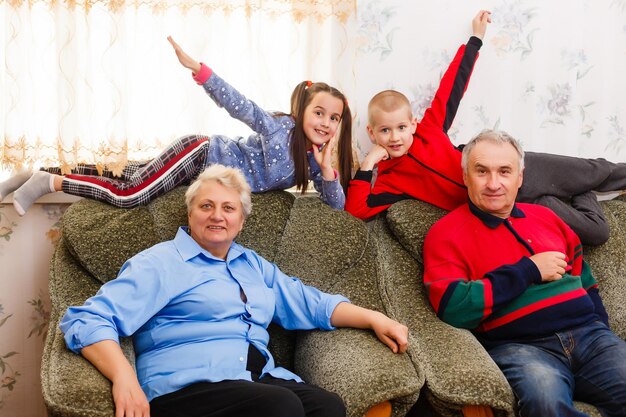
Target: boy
{"points": [[418, 161]]}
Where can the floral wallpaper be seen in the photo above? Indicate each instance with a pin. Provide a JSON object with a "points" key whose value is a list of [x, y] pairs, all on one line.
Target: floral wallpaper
{"points": [[549, 73], [9, 374], [24, 304], [374, 36], [515, 29]]}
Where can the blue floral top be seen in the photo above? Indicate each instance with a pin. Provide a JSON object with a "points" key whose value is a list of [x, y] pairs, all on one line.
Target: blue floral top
{"points": [[264, 157]]}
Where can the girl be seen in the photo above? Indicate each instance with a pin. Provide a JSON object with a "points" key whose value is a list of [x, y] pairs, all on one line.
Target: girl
{"points": [[285, 150]]}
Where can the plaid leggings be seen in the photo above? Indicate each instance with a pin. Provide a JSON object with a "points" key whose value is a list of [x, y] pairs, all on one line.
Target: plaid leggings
{"points": [[141, 182]]}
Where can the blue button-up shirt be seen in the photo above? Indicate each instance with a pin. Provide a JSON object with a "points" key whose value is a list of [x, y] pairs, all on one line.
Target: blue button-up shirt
{"points": [[193, 316]]}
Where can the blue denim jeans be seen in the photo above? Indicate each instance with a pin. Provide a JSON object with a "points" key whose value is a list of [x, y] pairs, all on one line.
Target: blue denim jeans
{"points": [[587, 363]]}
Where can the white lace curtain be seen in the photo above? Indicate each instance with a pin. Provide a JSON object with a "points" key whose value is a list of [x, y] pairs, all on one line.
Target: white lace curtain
{"points": [[97, 81]]}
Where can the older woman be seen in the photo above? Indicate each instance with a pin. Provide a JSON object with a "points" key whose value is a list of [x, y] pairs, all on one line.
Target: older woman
{"points": [[198, 307]]}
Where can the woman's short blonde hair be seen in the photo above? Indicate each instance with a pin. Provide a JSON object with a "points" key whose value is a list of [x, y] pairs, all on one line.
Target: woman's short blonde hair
{"points": [[229, 177]]}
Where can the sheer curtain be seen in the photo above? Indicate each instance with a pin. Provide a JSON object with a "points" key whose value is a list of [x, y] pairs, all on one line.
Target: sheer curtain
{"points": [[97, 81]]}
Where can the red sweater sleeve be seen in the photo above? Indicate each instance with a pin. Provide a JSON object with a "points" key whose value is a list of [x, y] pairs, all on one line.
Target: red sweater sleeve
{"points": [[577, 266], [453, 84], [359, 191]]}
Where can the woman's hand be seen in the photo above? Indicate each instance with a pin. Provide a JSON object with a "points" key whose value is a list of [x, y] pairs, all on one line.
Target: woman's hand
{"points": [[129, 399], [185, 60], [391, 333], [479, 23], [324, 159]]}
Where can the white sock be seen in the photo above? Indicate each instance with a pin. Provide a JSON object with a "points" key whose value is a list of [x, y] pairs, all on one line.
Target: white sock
{"points": [[40, 184], [609, 195], [14, 182]]}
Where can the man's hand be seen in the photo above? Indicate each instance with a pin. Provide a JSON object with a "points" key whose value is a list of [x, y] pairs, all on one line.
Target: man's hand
{"points": [[551, 265], [479, 23]]}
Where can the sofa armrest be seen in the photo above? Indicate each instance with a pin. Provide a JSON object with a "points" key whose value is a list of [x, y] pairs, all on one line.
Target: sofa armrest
{"points": [[457, 369], [71, 386], [357, 366]]}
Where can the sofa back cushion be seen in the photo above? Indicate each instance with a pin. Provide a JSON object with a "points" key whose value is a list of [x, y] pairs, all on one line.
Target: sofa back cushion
{"points": [[608, 264], [103, 237], [330, 250], [409, 221]]}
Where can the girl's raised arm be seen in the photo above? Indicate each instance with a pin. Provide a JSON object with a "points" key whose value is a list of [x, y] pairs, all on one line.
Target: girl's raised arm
{"points": [[185, 60], [226, 96]]}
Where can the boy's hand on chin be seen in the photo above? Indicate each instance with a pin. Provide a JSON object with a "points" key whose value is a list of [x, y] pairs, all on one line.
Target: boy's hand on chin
{"points": [[375, 155]]}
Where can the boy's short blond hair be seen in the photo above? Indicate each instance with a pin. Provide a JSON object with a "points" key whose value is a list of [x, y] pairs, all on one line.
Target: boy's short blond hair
{"points": [[387, 101]]}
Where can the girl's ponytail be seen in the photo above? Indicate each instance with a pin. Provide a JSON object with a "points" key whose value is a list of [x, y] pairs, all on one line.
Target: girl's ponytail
{"points": [[299, 143], [344, 147]]}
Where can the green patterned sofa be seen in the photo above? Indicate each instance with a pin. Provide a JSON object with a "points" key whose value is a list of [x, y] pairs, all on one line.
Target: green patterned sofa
{"points": [[377, 265], [458, 371], [326, 248]]}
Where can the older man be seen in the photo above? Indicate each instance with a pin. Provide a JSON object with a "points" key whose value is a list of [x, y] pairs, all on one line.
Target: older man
{"points": [[514, 274]]}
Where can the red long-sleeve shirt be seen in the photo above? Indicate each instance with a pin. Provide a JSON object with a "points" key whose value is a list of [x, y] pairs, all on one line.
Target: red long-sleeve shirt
{"points": [[431, 170]]}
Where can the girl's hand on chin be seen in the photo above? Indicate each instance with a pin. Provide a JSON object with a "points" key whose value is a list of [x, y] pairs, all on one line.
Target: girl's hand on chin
{"points": [[324, 158]]}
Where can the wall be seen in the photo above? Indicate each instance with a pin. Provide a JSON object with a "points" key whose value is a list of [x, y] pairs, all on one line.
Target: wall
{"points": [[550, 72], [26, 245]]}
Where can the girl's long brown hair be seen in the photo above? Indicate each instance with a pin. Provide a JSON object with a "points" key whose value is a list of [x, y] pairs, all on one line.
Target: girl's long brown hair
{"points": [[300, 99]]}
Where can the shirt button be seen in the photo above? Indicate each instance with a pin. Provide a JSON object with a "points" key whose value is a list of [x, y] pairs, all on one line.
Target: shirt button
{"points": [[241, 359]]}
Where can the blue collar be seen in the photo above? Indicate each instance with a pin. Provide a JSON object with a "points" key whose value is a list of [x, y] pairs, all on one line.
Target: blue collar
{"points": [[189, 248], [490, 220]]}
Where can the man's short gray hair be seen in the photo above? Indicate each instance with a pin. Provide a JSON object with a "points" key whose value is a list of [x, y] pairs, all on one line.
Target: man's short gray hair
{"points": [[494, 136], [229, 178]]}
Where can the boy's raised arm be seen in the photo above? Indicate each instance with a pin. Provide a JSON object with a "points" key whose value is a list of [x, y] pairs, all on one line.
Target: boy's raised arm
{"points": [[454, 82]]}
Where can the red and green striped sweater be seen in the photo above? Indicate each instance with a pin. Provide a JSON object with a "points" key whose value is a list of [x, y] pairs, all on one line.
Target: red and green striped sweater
{"points": [[479, 276]]}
